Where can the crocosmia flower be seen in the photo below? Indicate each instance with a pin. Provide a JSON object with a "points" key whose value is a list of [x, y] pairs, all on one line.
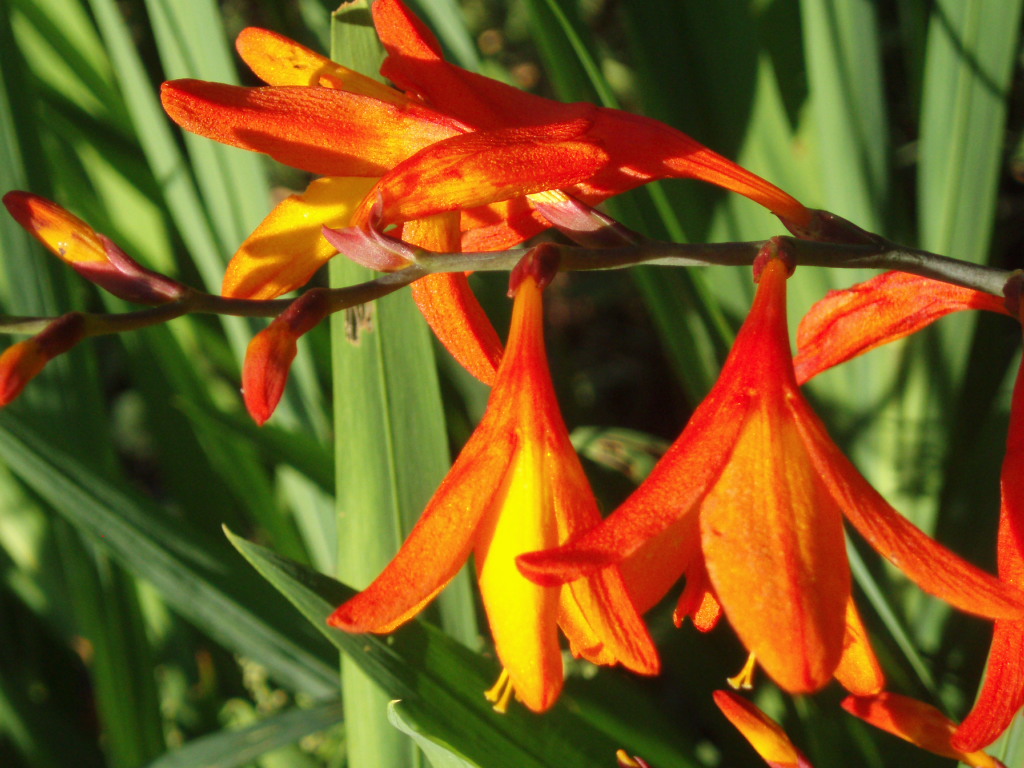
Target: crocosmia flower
{"points": [[753, 494], [515, 487], [849, 322], [455, 149]]}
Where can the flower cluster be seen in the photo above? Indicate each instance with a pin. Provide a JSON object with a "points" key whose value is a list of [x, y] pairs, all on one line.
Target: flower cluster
{"points": [[747, 507]]}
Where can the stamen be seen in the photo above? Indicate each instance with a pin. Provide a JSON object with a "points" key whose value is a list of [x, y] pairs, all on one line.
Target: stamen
{"points": [[625, 761], [501, 693], [745, 679]]}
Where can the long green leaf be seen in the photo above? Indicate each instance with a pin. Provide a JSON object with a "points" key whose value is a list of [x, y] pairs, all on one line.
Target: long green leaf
{"points": [[194, 575], [439, 681]]}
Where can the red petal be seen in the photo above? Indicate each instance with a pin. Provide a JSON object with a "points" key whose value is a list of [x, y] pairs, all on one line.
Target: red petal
{"points": [[916, 722], [449, 304], [1002, 693], [322, 130], [476, 169], [930, 565], [853, 321]]}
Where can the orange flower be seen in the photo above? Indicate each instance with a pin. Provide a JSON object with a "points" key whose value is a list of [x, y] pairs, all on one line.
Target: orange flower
{"points": [[517, 486], [458, 154], [754, 492], [764, 734], [849, 322]]}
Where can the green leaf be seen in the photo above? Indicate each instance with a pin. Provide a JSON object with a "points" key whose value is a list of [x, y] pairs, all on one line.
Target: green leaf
{"points": [[229, 749], [439, 681], [439, 754], [196, 576]]}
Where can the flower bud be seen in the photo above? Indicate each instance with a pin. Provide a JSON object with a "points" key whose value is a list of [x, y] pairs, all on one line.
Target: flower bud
{"points": [[94, 256], [270, 354], [22, 362], [579, 222]]}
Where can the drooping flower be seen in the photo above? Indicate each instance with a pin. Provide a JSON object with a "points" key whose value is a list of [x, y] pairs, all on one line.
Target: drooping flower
{"points": [[754, 492], [764, 734], [516, 486], [456, 144], [919, 723], [849, 322]]}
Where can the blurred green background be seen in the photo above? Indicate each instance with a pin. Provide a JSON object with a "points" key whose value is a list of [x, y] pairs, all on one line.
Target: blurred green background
{"points": [[132, 634]]}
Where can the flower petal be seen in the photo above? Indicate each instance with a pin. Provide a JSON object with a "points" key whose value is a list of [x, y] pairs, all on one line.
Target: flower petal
{"points": [[916, 722], [475, 169], [288, 247], [277, 60], [321, 130], [437, 547], [773, 544], [764, 734], [1002, 693], [449, 304], [859, 671], [930, 565], [853, 321]]}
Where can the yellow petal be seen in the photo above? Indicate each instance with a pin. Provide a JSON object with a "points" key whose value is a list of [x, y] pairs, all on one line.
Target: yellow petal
{"points": [[288, 247], [522, 615]]}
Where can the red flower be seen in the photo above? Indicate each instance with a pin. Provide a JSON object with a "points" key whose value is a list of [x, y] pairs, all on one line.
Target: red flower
{"points": [[754, 492], [458, 153], [517, 486]]}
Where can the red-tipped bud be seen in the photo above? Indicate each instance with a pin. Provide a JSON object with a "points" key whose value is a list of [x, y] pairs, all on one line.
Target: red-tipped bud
{"points": [[540, 263], [270, 354], [23, 362], [775, 248], [94, 256], [625, 760], [582, 224]]}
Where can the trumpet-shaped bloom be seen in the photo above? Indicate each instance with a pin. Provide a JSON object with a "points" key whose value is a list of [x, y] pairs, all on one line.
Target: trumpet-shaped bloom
{"points": [[764, 734], [754, 492], [516, 486], [888, 307], [453, 142]]}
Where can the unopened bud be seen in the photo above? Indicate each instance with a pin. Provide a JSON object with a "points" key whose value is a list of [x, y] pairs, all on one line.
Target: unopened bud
{"points": [[582, 224], [371, 248], [94, 256], [24, 361], [775, 248], [540, 263], [270, 354]]}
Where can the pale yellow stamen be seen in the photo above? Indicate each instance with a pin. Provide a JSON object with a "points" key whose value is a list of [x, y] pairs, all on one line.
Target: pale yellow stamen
{"points": [[501, 694], [745, 679], [625, 761]]}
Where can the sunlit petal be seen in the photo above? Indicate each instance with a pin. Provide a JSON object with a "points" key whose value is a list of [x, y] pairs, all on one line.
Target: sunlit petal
{"points": [[288, 247], [764, 734], [916, 722], [321, 130], [855, 320], [859, 671]]}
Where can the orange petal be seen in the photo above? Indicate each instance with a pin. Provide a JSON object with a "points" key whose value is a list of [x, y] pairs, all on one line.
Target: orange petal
{"points": [[859, 671], [930, 565], [321, 130], [288, 247], [277, 60], [1002, 693], [853, 321], [475, 169], [773, 544], [698, 601], [916, 722], [449, 304], [764, 734], [438, 545]]}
